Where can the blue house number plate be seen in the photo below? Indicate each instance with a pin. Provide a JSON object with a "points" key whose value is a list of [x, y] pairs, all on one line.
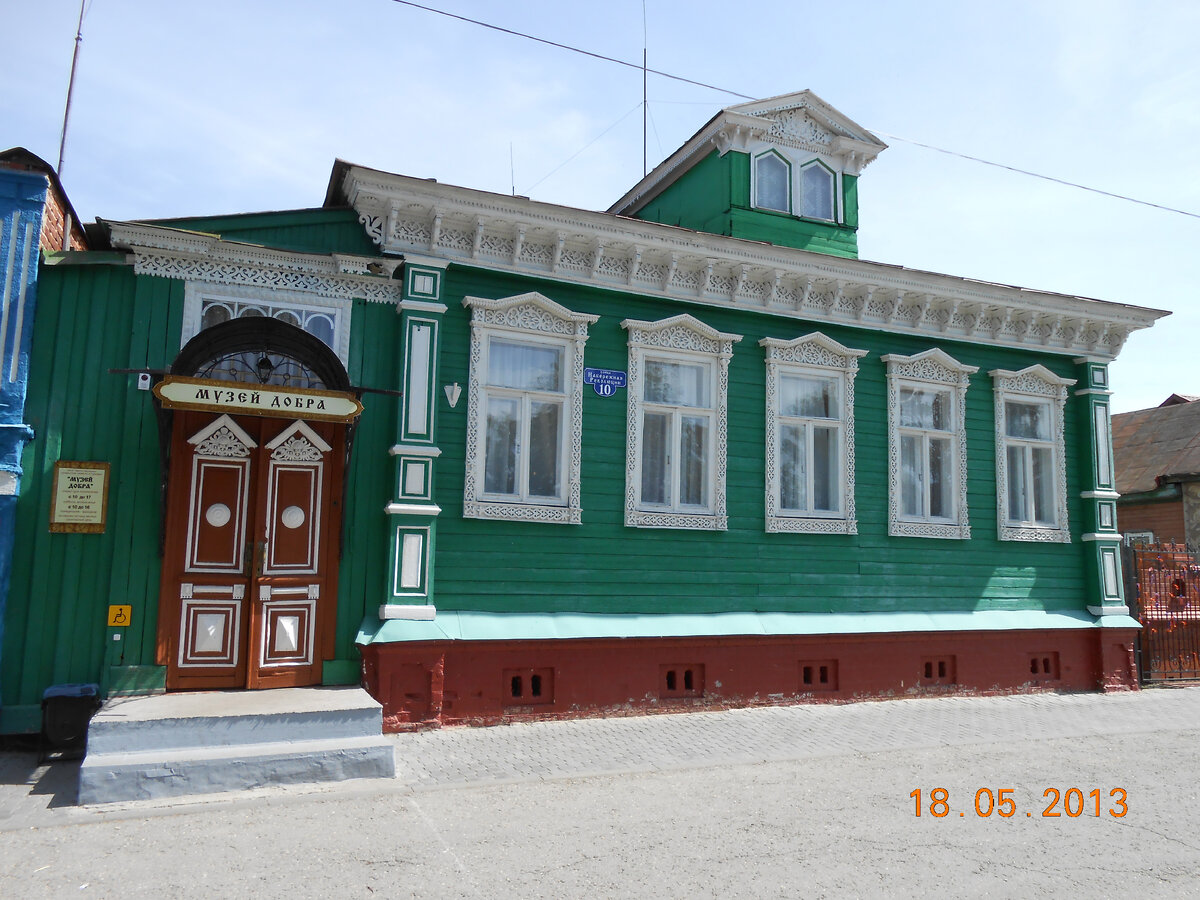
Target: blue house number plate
{"points": [[604, 381]]}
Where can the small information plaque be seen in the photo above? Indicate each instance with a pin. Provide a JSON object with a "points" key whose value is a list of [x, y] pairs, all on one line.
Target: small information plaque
{"points": [[80, 501]]}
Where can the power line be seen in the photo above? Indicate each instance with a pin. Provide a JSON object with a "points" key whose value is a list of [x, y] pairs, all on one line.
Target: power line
{"points": [[600, 56], [1063, 181], [712, 87]]}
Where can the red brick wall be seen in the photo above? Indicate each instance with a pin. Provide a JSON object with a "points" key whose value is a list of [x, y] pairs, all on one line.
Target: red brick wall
{"points": [[53, 222], [1164, 519], [428, 684]]}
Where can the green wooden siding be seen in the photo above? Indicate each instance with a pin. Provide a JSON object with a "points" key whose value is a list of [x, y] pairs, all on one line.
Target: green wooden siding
{"points": [[304, 230], [90, 319], [714, 197], [601, 566], [376, 344], [701, 198], [94, 314]]}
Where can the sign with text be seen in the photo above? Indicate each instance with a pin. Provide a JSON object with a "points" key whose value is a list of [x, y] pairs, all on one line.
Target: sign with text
{"points": [[237, 397], [80, 500], [604, 381]]}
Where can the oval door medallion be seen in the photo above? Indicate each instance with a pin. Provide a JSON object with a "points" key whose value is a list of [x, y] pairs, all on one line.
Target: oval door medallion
{"points": [[292, 517], [217, 515]]}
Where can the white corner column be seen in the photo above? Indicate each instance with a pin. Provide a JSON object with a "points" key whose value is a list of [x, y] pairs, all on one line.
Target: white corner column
{"points": [[412, 514], [1105, 585]]}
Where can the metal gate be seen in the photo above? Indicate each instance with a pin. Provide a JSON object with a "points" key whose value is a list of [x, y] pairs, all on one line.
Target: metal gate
{"points": [[1164, 595]]}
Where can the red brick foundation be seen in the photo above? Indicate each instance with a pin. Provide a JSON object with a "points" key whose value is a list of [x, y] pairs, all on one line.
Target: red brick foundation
{"points": [[429, 684]]}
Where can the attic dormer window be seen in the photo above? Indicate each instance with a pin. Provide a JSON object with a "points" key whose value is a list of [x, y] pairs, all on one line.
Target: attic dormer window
{"points": [[772, 182], [817, 192]]}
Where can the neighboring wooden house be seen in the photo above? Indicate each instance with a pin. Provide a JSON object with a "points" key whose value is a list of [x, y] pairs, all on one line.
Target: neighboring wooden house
{"points": [[35, 217], [1157, 458], [687, 451]]}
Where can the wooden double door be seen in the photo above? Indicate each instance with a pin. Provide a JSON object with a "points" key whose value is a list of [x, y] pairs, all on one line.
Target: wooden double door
{"points": [[249, 585]]}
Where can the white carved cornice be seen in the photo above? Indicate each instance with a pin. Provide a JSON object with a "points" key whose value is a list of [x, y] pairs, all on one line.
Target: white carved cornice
{"points": [[514, 234], [191, 256]]}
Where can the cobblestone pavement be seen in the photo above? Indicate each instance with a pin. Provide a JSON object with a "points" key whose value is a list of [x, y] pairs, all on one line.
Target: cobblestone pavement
{"points": [[812, 800], [32, 795], [667, 742]]}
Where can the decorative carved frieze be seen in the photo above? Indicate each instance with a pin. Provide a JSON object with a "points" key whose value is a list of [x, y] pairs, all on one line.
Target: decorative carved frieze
{"points": [[625, 254]]}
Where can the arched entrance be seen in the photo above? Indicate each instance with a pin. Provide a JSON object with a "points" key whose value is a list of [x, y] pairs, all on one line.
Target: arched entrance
{"points": [[259, 414]]}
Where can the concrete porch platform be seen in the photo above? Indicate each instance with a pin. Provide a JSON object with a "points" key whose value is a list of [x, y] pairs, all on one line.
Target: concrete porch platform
{"points": [[172, 745]]}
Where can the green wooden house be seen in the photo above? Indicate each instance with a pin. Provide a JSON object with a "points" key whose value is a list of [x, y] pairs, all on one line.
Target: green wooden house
{"points": [[498, 458]]}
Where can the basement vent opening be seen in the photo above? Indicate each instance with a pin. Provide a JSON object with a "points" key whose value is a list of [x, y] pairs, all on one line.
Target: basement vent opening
{"points": [[523, 687], [938, 670], [681, 681], [818, 675], [1044, 666]]}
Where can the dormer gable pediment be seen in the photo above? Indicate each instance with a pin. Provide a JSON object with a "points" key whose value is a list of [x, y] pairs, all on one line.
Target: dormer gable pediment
{"points": [[806, 122]]}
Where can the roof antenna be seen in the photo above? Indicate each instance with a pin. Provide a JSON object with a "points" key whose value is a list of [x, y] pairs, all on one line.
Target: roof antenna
{"points": [[512, 169], [62, 144], [645, 168]]}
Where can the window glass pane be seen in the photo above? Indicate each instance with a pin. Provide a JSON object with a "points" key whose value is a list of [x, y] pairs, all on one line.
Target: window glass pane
{"points": [[940, 478], [825, 476], [286, 315], [793, 479], [1018, 479], [911, 477], [526, 367], [693, 454], [921, 408], [545, 437], [816, 185], [1043, 486], [214, 315], [656, 429], [500, 446], [680, 384], [320, 327], [810, 397], [771, 183], [1027, 420]]}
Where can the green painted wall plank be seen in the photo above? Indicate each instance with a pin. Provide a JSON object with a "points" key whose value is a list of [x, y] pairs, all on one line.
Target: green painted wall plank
{"points": [[601, 566]]}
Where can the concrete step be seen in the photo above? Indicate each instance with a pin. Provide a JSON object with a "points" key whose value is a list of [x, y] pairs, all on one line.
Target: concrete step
{"points": [[231, 718], [116, 777], [172, 745]]}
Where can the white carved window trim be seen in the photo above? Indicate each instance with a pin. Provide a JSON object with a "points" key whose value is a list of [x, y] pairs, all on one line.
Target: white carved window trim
{"points": [[931, 369], [524, 317], [818, 356], [789, 187], [198, 295], [1035, 384], [687, 339]]}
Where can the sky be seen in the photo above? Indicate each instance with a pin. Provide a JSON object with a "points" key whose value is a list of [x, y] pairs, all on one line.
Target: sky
{"points": [[226, 106]]}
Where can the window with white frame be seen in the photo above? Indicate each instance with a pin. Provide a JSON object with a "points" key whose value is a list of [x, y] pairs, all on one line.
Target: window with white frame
{"points": [[524, 410], [927, 445], [772, 182], [678, 423], [1031, 469], [325, 318], [810, 435], [818, 195]]}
